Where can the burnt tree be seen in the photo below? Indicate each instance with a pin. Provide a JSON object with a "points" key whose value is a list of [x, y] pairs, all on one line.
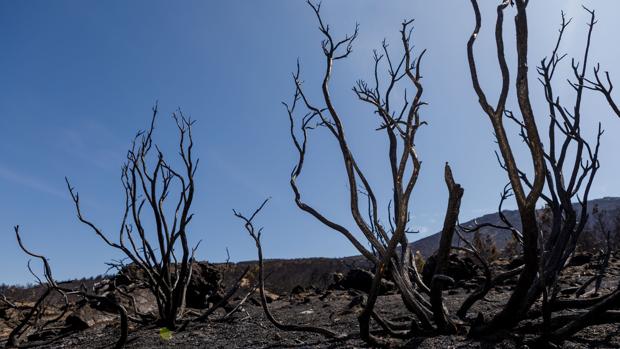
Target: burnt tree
{"points": [[564, 162], [400, 122], [564, 170], [526, 197], [36, 323], [162, 254], [255, 234]]}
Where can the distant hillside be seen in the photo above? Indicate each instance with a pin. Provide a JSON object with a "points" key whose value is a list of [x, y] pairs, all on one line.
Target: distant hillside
{"points": [[609, 205], [284, 274]]}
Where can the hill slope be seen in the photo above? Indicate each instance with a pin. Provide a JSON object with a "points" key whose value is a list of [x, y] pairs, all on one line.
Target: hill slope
{"points": [[286, 274], [610, 206]]}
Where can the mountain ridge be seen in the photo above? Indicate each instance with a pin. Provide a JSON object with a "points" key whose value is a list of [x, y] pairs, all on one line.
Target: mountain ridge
{"points": [[427, 245]]}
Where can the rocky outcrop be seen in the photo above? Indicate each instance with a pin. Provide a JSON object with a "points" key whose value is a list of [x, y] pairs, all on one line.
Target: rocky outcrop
{"points": [[458, 269], [204, 287], [361, 280]]}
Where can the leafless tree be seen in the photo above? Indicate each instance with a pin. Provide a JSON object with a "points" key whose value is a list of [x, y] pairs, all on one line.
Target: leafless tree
{"points": [[389, 247], [604, 233], [569, 177], [564, 170], [37, 321], [445, 246], [526, 197], [604, 87], [479, 251], [255, 234], [147, 187]]}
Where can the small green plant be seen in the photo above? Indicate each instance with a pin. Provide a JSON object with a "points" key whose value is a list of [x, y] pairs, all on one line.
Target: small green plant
{"points": [[165, 333]]}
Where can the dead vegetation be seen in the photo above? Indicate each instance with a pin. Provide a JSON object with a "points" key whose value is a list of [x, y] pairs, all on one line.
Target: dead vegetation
{"points": [[535, 294], [564, 168]]}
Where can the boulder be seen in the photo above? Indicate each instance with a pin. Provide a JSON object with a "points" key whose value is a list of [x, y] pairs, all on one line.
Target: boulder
{"points": [[337, 278], [4, 310], [514, 263], [129, 275], [9, 314], [85, 317], [206, 283], [298, 290], [271, 297], [459, 268], [204, 287], [106, 306], [580, 259], [361, 280]]}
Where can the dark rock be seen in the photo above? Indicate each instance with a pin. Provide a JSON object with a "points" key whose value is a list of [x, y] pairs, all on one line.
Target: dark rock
{"points": [[4, 311], [358, 300], [206, 282], [337, 277], [459, 269], [85, 317], [78, 323], [514, 263], [569, 290], [103, 305], [325, 295], [205, 286], [42, 335], [361, 280], [580, 259], [271, 297], [129, 275], [10, 314], [298, 290], [316, 290]]}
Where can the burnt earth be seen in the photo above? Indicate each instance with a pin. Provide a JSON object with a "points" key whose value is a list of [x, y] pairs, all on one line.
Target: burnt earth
{"points": [[337, 309]]}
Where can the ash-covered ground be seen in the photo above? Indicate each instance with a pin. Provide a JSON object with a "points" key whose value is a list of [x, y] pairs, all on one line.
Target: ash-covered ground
{"points": [[336, 309]]}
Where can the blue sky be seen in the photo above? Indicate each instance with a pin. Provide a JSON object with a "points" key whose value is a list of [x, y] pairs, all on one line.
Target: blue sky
{"points": [[78, 79]]}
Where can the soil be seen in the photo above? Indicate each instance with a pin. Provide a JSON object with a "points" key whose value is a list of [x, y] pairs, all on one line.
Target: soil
{"points": [[337, 310]]}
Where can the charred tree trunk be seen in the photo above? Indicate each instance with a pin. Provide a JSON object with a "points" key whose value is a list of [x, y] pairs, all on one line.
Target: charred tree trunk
{"points": [[444, 324]]}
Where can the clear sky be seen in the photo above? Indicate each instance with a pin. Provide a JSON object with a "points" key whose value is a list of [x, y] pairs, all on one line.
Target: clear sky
{"points": [[78, 79]]}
